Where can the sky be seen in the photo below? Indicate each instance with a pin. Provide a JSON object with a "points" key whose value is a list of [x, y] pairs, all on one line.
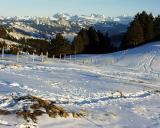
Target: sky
{"points": [[104, 7]]}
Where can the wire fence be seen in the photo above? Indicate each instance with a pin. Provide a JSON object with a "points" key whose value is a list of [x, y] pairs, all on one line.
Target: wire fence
{"points": [[26, 58]]}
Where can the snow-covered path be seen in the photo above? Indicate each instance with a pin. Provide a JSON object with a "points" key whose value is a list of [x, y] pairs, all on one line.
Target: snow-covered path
{"points": [[120, 90]]}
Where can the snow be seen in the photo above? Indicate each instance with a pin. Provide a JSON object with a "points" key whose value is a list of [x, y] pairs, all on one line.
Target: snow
{"points": [[93, 18], [114, 90], [32, 26], [3, 122]]}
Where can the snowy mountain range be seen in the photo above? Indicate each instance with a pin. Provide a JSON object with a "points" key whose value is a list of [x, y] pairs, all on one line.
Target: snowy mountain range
{"points": [[47, 27], [93, 18]]}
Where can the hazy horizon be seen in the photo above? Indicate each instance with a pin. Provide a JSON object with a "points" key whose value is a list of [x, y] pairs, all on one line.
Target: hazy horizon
{"points": [[47, 8]]}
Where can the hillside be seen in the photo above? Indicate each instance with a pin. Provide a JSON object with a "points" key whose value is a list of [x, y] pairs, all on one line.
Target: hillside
{"points": [[113, 90], [67, 24]]}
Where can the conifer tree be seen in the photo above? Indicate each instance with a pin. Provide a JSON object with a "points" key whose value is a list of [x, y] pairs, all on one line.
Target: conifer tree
{"points": [[80, 42], [157, 27], [90, 41], [146, 22], [134, 35], [93, 46], [104, 41], [148, 29], [141, 31], [61, 46]]}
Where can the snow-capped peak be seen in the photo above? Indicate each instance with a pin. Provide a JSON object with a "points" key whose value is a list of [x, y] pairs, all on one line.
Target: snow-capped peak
{"points": [[93, 18]]}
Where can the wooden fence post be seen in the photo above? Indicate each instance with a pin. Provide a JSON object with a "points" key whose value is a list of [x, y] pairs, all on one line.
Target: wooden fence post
{"points": [[17, 56], [33, 57], [42, 57], [70, 58], [47, 55], [60, 57], [2, 53]]}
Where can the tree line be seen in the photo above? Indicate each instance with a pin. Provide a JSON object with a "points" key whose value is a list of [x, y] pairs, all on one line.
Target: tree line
{"points": [[88, 41], [143, 29]]}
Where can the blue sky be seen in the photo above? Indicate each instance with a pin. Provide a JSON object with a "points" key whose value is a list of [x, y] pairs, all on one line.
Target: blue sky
{"points": [[49, 7]]}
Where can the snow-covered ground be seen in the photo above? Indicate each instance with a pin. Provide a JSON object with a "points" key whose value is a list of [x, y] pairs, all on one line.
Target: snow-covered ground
{"points": [[119, 90]]}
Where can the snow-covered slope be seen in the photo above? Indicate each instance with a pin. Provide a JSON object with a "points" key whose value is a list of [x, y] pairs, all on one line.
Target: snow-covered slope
{"points": [[114, 90]]}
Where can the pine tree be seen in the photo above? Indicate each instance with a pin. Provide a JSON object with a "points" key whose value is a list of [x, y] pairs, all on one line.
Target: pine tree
{"points": [[104, 41], [134, 35], [3, 32], [60, 46], [90, 41], [157, 27], [93, 46], [78, 46], [80, 42], [141, 30], [146, 22], [148, 29], [109, 45]]}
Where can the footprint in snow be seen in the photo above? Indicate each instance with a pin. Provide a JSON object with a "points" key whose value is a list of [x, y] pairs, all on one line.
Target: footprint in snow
{"points": [[3, 122], [29, 125], [3, 83], [15, 84], [156, 120]]}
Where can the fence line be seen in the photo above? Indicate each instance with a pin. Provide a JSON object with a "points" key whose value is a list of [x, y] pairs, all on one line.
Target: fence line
{"points": [[90, 61]]}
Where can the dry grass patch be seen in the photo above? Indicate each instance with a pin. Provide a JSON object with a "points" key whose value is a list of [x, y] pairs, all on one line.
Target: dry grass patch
{"points": [[40, 106], [4, 112]]}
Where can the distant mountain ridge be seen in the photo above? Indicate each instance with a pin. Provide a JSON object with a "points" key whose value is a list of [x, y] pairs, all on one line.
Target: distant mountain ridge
{"points": [[48, 27], [93, 18]]}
